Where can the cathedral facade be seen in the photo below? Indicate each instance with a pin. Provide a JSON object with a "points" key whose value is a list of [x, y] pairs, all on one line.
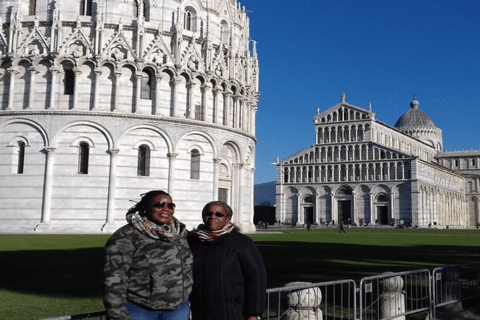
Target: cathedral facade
{"points": [[362, 171], [103, 100]]}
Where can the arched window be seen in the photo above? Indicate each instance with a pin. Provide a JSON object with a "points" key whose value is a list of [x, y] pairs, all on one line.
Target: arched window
{"points": [[21, 157], [32, 7], [83, 158], [195, 164], [145, 12], [224, 32], [143, 167], [187, 25]]}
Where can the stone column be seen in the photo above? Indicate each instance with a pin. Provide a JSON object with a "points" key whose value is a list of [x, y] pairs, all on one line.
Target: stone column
{"points": [[47, 187], [138, 91], [227, 96], [392, 301], [118, 74], [216, 163], [11, 90], [215, 105], [31, 93], [171, 173], [254, 116], [78, 72], [98, 73], [393, 213], [373, 214], [174, 84], [53, 89], [352, 209], [158, 79], [206, 90], [190, 106], [237, 185], [112, 181]]}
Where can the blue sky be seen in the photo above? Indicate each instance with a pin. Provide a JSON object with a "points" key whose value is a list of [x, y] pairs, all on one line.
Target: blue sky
{"points": [[383, 52]]}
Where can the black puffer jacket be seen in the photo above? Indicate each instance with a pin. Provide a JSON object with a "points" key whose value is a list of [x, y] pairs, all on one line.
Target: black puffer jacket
{"points": [[229, 278]]}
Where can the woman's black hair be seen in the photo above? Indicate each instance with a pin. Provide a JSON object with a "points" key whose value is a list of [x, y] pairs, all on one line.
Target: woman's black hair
{"points": [[144, 206]]}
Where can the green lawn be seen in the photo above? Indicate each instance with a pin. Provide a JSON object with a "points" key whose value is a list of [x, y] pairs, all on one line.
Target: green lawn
{"points": [[46, 276]]}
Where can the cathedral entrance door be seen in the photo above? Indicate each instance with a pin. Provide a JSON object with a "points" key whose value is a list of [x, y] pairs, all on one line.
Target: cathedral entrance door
{"points": [[345, 211], [382, 215], [308, 214]]}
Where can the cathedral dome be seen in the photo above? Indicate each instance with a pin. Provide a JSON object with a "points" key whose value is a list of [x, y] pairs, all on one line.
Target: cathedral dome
{"points": [[415, 118]]}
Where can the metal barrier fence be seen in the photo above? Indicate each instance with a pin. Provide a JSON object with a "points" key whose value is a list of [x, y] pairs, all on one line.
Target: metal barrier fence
{"points": [[454, 285], [447, 290], [394, 295], [325, 300]]}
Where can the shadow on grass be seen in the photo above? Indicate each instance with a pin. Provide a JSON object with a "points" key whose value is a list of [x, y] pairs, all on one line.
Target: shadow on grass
{"points": [[62, 273], [77, 272], [317, 262]]}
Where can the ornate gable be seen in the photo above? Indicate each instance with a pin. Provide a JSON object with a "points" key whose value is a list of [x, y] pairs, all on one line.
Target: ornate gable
{"points": [[343, 112], [77, 45], [158, 52], [118, 48], [35, 43], [191, 58]]}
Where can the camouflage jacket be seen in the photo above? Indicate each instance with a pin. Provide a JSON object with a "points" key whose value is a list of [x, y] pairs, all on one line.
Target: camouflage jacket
{"points": [[153, 274]]}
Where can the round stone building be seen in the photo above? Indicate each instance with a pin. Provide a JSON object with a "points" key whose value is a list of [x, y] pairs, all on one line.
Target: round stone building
{"points": [[103, 100]]}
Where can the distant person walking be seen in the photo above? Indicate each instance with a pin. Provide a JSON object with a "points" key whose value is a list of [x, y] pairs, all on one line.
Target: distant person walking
{"points": [[309, 225], [342, 228]]}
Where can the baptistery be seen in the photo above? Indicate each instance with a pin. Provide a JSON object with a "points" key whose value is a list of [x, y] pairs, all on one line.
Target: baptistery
{"points": [[103, 100]]}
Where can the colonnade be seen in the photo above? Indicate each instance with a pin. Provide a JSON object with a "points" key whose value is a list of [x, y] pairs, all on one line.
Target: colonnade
{"points": [[344, 114], [386, 170], [443, 207], [218, 105], [341, 133], [362, 152]]}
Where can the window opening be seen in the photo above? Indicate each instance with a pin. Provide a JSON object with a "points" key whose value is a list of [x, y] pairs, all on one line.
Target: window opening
{"points": [[86, 7], [146, 92], [21, 157], [83, 158], [195, 164], [32, 8], [69, 82], [143, 167], [188, 21]]}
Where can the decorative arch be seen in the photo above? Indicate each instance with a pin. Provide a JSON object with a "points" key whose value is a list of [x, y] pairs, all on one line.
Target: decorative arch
{"points": [[160, 132], [32, 124], [207, 137], [101, 129]]}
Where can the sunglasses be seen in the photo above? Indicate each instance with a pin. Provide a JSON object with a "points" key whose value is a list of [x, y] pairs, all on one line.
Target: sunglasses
{"points": [[218, 215], [162, 204]]}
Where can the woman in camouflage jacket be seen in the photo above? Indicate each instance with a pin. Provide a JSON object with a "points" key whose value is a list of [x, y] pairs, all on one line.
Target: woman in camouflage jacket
{"points": [[147, 271]]}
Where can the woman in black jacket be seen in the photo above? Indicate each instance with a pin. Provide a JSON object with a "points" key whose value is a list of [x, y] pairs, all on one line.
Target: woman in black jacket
{"points": [[228, 270]]}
